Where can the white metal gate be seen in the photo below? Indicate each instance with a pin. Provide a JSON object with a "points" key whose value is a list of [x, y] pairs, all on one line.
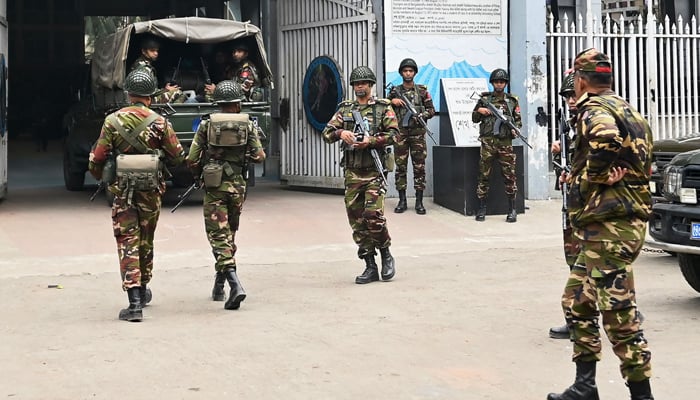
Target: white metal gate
{"points": [[655, 66], [343, 30]]}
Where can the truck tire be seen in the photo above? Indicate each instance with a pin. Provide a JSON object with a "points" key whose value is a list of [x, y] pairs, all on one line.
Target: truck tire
{"points": [[690, 267], [74, 181]]}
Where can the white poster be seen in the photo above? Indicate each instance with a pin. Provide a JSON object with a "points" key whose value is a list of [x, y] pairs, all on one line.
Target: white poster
{"points": [[461, 95]]}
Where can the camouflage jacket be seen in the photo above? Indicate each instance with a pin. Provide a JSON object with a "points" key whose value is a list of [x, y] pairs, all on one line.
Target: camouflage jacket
{"points": [[609, 133], [510, 107], [247, 75], [383, 127], [159, 135], [238, 158], [420, 98]]}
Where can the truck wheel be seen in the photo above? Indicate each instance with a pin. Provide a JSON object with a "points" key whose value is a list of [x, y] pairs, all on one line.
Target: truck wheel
{"points": [[74, 181], [690, 267]]}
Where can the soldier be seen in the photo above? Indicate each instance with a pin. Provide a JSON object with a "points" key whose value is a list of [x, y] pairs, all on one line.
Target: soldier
{"points": [[497, 143], [609, 203], [411, 138], [135, 129], [244, 72], [364, 186], [571, 247], [224, 145], [150, 48]]}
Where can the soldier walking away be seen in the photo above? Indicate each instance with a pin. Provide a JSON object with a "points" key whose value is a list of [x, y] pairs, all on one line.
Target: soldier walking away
{"points": [[571, 247], [411, 138], [150, 48], [136, 129], [224, 145], [365, 184], [609, 204], [497, 141]]}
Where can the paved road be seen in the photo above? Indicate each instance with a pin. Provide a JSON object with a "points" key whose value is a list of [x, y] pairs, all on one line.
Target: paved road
{"points": [[466, 316]]}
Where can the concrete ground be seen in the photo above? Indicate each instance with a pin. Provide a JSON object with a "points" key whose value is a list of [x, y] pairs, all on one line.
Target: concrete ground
{"points": [[466, 316]]}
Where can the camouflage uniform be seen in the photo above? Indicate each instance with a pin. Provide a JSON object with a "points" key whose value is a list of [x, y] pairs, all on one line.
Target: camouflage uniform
{"points": [[134, 222], [223, 204], [499, 148], [411, 138], [610, 224], [364, 189], [247, 76], [163, 95]]}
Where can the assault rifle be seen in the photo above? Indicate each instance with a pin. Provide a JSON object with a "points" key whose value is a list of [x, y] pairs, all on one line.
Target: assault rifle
{"points": [[102, 186], [361, 130], [411, 112], [194, 186], [564, 166], [205, 72], [500, 120]]}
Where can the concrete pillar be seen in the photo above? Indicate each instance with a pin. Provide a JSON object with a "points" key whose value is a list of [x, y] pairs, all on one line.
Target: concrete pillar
{"points": [[528, 80]]}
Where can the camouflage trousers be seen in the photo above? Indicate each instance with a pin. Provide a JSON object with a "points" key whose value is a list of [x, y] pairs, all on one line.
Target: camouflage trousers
{"points": [[416, 147], [602, 284], [222, 214], [571, 244], [364, 204], [134, 227], [495, 149]]}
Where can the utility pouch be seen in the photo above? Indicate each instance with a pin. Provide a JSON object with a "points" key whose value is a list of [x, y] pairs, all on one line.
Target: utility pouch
{"points": [[138, 172], [228, 129], [109, 171], [389, 161], [212, 175]]}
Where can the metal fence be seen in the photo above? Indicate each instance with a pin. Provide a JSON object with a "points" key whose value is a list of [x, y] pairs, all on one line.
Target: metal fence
{"points": [[655, 65]]}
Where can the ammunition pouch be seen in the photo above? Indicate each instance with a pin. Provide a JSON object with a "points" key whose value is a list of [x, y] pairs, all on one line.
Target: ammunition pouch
{"points": [[212, 175]]}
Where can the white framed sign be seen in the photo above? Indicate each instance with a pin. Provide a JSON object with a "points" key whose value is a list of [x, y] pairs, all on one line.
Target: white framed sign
{"points": [[461, 95]]}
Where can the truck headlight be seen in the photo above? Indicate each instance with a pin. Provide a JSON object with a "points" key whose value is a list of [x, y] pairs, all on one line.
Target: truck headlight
{"points": [[673, 178]]}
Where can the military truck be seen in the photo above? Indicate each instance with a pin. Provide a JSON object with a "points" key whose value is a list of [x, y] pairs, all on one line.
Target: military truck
{"points": [[188, 50], [664, 151], [674, 224]]}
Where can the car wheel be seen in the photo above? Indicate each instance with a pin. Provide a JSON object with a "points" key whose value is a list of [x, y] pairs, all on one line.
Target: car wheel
{"points": [[74, 181], [690, 267]]}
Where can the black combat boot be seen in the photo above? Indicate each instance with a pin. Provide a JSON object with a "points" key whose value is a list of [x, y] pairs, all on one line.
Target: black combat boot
{"points": [[218, 294], [371, 274], [237, 293], [640, 390], [481, 213], [388, 269], [559, 332], [512, 213], [402, 206], [134, 313], [584, 387], [419, 203], [146, 294]]}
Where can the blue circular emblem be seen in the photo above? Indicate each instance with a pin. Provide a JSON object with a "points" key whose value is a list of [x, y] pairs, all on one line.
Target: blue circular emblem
{"points": [[322, 91]]}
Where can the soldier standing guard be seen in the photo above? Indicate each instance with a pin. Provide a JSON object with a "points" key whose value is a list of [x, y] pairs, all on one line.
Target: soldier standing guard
{"points": [[224, 145], [135, 129], [364, 186], [497, 143], [411, 138], [609, 203]]}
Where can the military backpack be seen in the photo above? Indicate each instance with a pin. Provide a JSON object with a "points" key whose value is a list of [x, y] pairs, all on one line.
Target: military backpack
{"points": [[228, 130]]}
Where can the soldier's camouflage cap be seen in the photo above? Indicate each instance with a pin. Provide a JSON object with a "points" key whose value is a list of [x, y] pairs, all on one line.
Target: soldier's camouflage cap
{"points": [[592, 60]]}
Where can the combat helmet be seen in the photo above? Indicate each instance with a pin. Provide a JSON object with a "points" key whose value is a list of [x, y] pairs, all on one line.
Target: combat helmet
{"points": [[240, 46], [141, 82], [567, 85], [362, 73], [499, 74], [228, 92], [408, 62]]}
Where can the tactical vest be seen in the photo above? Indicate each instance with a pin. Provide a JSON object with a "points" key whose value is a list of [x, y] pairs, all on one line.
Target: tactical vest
{"points": [[487, 124], [414, 96], [361, 158]]}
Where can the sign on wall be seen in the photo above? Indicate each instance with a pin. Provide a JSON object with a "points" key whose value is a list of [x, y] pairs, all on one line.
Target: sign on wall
{"points": [[461, 96], [322, 91]]}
